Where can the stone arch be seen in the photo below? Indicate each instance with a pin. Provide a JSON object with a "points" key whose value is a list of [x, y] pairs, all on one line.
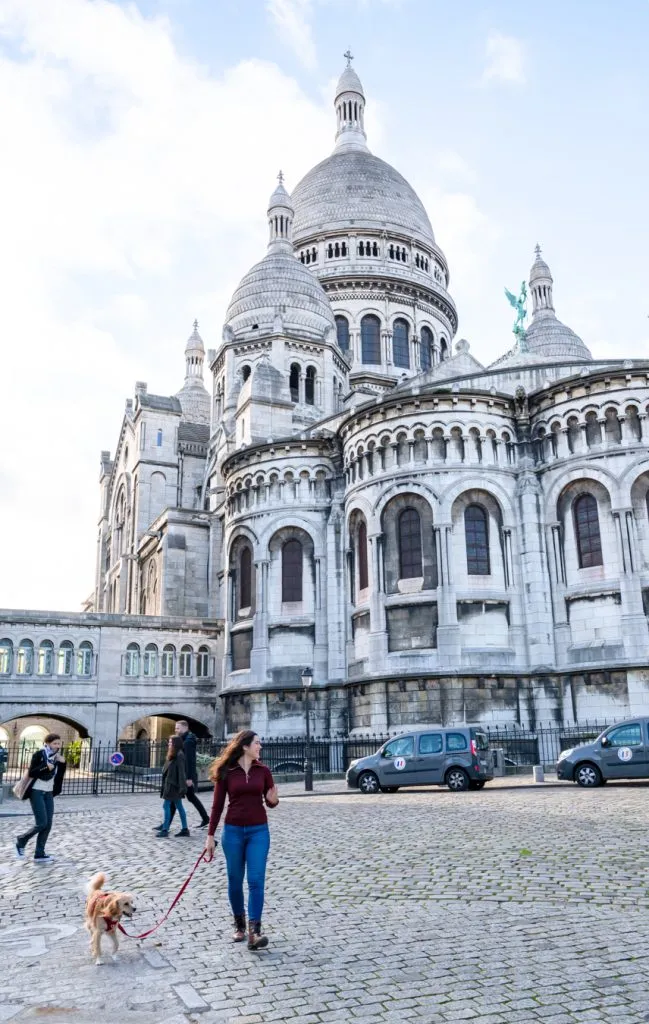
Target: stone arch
{"points": [[199, 716], [585, 471], [395, 488], [392, 528], [494, 488], [79, 717], [581, 485]]}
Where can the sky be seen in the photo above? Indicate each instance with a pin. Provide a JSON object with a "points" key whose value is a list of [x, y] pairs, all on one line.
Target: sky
{"points": [[140, 144]]}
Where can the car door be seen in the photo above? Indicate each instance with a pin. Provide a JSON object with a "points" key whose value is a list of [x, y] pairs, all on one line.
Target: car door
{"points": [[397, 762], [428, 765], [624, 753]]}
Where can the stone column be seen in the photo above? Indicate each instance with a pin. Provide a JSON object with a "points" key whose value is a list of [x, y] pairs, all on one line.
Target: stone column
{"points": [[259, 655], [320, 654], [448, 630], [378, 628], [334, 591], [635, 630], [535, 591]]}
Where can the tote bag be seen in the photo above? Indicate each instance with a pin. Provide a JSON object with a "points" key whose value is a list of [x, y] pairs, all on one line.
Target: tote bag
{"points": [[23, 786]]}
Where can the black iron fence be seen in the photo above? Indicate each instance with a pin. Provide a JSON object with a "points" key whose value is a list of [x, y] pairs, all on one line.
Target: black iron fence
{"points": [[137, 768]]}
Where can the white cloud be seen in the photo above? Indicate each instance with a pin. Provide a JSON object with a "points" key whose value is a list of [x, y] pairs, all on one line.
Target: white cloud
{"points": [[132, 199], [292, 23], [505, 58]]}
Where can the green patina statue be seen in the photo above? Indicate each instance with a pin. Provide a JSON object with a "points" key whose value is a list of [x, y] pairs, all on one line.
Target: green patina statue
{"points": [[521, 313]]}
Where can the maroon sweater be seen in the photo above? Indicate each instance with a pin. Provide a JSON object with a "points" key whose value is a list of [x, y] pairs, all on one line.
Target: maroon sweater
{"points": [[246, 795]]}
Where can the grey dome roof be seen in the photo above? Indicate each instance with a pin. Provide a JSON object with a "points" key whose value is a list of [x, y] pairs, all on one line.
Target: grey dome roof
{"points": [[357, 189], [548, 338], [280, 293], [349, 82]]}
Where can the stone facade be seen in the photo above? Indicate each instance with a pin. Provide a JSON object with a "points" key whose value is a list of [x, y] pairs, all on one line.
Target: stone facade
{"points": [[436, 539]]}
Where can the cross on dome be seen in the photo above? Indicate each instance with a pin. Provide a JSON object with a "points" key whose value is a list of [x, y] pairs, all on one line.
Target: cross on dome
{"points": [[280, 177], [349, 57]]}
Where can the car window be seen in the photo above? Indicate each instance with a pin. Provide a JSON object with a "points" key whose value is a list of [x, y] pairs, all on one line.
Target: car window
{"points": [[481, 741], [456, 741], [625, 735], [403, 747], [431, 743]]}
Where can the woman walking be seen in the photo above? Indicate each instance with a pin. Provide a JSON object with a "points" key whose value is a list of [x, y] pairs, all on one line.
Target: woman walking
{"points": [[47, 768], [174, 787], [240, 776]]}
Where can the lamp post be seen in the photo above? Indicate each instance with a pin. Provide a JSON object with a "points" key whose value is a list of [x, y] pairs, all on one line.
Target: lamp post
{"points": [[307, 679]]}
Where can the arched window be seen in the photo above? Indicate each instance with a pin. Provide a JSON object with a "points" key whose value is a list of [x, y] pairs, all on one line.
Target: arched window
{"points": [[294, 382], [309, 385], [245, 579], [426, 348], [84, 659], [159, 439], [342, 333], [132, 660], [6, 657], [292, 571], [443, 350], [362, 557], [371, 339], [150, 660], [203, 663], [25, 659], [343, 249], [476, 531], [64, 662], [400, 344], [589, 542], [245, 373], [330, 251], [361, 248], [185, 661], [410, 560], [167, 660], [45, 664]]}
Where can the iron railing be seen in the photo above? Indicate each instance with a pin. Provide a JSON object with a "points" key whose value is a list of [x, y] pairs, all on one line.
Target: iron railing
{"points": [[90, 770]]}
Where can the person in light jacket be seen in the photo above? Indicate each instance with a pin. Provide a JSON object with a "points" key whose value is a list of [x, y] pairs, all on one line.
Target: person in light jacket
{"points": [[174, 786], [46, 769]]}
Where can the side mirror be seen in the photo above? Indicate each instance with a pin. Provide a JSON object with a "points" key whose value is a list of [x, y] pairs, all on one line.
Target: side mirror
{"points": [[605, 741]]}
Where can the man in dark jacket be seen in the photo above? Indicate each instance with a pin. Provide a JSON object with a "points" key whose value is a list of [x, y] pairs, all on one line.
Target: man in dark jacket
{"points": [[189, 748]]}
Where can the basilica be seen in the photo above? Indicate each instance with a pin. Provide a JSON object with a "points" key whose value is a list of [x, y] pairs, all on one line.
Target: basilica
{"points": [[355, 493]]}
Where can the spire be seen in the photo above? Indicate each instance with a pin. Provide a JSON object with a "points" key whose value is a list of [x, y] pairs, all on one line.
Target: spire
{"points": [[350, 109], [194, 356], [280, 219], [541, 285]]}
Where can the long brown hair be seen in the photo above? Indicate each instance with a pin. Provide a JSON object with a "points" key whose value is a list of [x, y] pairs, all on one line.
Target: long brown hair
{"points": [[177, 745], [229, 757]]}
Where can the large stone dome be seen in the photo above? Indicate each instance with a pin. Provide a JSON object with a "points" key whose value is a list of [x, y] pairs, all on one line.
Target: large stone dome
{"points": [[355, 189], [280, 294]]}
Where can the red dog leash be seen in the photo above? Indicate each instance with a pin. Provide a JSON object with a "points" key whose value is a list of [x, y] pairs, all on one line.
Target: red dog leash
{"points": [[175, 900]]}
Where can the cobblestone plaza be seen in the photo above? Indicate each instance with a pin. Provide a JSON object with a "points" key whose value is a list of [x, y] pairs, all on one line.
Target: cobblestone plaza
{"points": [[515, 904]]}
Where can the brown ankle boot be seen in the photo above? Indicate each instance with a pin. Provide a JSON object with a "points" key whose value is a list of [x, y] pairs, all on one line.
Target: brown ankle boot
{"points": [[255, 939], [239, 928]]}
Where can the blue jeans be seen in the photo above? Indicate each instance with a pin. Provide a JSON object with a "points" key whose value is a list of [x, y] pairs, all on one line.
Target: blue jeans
{"points": [[167, 805], [43, 810], [246, 849]]}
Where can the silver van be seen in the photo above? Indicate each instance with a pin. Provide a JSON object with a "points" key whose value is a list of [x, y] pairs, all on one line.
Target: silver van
{"points": [[458, 757], [620, 752]]}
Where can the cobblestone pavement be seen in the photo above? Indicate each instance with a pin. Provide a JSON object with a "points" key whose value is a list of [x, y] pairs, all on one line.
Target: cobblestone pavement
{"points": [[511, 904]]}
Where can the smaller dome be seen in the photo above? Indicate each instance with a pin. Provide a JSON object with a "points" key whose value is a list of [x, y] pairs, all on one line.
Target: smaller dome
{"points": [[280, 294], [547, 338], [540, 269], [349, 82], [194, 342], [280, 196]]}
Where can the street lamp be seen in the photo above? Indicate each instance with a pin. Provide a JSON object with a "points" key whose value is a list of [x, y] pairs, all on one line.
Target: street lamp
{"points": [[307, 679]]}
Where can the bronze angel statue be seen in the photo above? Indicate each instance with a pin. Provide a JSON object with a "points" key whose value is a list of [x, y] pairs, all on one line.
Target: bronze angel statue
{"points": [[521, 311]]}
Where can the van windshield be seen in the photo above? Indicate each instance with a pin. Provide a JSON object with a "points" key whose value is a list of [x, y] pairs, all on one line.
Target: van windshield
{"points": [[481, 741]]}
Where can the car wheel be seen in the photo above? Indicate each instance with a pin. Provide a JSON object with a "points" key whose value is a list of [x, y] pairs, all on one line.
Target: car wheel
{"points": [[389, 789], [368, 783], [457, 779], [477, 784], [588, 775]]}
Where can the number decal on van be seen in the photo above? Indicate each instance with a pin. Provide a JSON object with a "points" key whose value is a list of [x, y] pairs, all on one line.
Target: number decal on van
{"points": [[625, 753]]}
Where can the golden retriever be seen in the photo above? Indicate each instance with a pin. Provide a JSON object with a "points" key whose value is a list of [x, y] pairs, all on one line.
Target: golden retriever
{"points": [[104, 910]]}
